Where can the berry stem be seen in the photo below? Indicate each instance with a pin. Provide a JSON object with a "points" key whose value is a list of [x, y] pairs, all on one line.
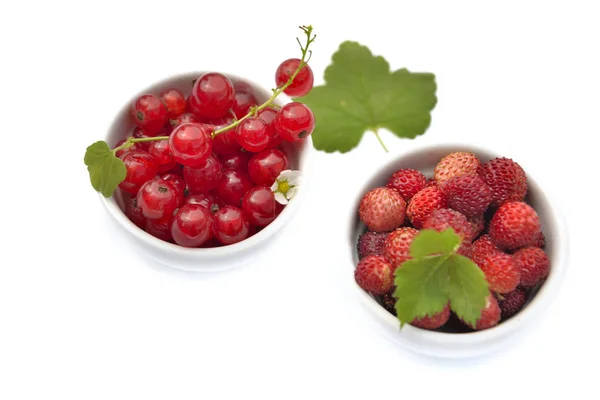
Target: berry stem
{"points": [[276, 92], [131, 141], [376, 132]]}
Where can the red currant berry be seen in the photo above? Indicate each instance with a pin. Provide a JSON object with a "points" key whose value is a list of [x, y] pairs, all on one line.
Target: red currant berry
{"points": [[230, 225], [177, 181], [205, 177], [184, 118], [192, 225], [138, 133], [174, 100], [243, 86], [206, 200], [149, 113], [177, 169], [158, 198], [236, 161], [233, 186], [159, 149], [212, 95], [160, 228], [294, 122], [191, 144], [268, 115], [265, 167], [252, 134], [123, 151], [134, 213], [140, 169], [225, 143], [303, 82], [243, 102], [260, 206]]}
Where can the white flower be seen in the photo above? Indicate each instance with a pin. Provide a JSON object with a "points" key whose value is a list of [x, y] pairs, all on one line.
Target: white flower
{"points": [[286, 186]]}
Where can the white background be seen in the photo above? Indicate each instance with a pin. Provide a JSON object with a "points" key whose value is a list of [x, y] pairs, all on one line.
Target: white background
{"points": [[81, 317]]}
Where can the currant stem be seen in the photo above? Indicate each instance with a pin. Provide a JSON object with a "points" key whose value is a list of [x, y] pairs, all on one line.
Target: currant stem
{"points": [[276, 92], [376, 132], [131, 141]]}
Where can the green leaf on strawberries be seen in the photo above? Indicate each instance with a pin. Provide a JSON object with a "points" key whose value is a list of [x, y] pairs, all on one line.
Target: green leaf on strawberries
{"points": [[106, 170], [436, 276], [362, 94]]}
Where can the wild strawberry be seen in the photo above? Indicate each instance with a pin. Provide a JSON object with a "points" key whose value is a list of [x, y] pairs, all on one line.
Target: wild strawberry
{"points": [[433, 322], [514, 225], [540, 240], [482, 248], [423, 204], [502, 272], [535, 265], [512, 302], [506, 179], [467, 194], [407, 182], [465, 249], [444, 218], [397, 246], [455, 164], [389, 302], [431, 182], [490, 316], [374, 274], [371, 243], [477, 225], [382, 209]]}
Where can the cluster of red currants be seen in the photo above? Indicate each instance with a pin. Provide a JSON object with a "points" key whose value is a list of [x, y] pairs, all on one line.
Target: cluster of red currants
{"points": [[202, 174]]}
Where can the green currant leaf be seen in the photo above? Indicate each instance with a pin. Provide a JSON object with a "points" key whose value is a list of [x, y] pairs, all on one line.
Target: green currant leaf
{"points": [[429, 242], [361, 93], [468, 288], [105, 169]]}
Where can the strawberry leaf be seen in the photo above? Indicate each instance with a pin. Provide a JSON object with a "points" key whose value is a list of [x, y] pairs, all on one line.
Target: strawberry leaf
{"points": [[105, 169], [468, 288], [361, 94]]}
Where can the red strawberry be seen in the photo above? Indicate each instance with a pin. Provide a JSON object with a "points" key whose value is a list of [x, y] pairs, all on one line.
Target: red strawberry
{"points": [[455, 164], [482, 248], [389, 302], [540, 240], [512, 302], [465, 249], [506, 179], [477, 225], [423, 204], [535, 265], [431, 182], [490, 316], [397, 246], [371, 243], [502, 272], [433, 322], [514, 225], [382, 209], [467, 194], [444, 218], [374, 274], [407, 182]]}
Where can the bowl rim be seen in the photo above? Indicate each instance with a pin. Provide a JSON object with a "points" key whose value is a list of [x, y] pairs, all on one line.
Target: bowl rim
{"points": [[543, 298], [305, 154]]}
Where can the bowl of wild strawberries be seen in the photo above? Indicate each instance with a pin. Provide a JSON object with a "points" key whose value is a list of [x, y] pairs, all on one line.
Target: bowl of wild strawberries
{"points": [[226, 175], [462, 243]]}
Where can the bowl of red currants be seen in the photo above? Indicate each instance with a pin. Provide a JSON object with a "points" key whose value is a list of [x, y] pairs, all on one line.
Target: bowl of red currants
{"points": [[215, 166]]}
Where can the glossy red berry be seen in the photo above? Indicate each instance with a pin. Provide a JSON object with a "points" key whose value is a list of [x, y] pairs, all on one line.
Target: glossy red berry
{"points": [[160, 228], [242, 103], [294, 122], [230, 225], [268, 115], [260, 206], [266, 166], [157, 199], [184, 118], [253, 134], [303, 82], [205, 177], [138, 133], [192, 225], [149, 113], [177, 181], [140, 169], [236, 161], [160, 150], [212, 95], [233, 186], [174, 101], [191, 144], [134, 213], [206, 200]]}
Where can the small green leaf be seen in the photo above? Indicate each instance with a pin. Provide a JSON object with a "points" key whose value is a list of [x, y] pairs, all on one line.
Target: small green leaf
{"points": [[105, 169], [429, 242], [421, 288], [361, 94], [468, 288]]}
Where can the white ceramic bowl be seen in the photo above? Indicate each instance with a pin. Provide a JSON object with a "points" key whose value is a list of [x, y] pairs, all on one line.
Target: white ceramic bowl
{"points": [[205, 259], [454, 345]]}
